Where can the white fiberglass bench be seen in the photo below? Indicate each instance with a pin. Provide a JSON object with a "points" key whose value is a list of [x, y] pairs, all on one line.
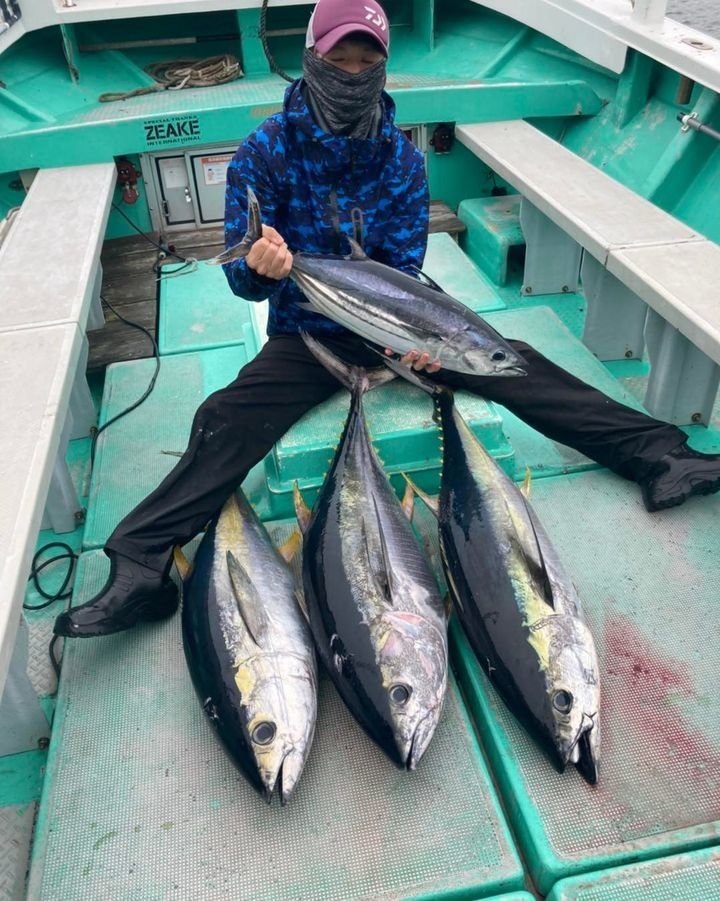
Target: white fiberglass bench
{"points": [[636, 257], [49, 295], [50, 273]]}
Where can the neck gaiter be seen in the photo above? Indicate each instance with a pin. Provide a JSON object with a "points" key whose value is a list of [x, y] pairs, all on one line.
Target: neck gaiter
{"points": [[343, 103]]}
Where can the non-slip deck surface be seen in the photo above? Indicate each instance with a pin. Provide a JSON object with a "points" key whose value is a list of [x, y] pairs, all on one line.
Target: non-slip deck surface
{"points": [[681, 877], [134, 454], [199, 311], [141, 802], [649, 588]]}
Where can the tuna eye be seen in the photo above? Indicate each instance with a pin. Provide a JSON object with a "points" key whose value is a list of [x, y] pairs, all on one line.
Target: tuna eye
{"points": [[562, 701], [498, 356], [263, 733], [399, 694]]}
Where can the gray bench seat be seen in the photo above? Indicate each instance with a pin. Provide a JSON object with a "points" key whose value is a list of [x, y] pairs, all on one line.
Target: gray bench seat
{"points": [[49, 295], [636, 256]]}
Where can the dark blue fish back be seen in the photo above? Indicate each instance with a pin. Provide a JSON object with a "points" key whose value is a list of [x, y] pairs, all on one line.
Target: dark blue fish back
{"points": [[309, 184]]}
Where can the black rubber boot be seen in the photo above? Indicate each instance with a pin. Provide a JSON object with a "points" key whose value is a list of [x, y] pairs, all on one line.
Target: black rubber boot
{"points": [[132, 594], [678, 475]]}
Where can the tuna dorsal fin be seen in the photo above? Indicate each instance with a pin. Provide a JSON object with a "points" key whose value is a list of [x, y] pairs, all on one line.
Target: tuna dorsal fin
{"points": [[536, 560], [248, 601], [182, 564], [430, 502], [302, 511], [289, 548], [356, 251]]}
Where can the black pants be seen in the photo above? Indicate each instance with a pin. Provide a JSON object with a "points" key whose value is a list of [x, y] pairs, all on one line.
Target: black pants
{"points": [[236, 427]]}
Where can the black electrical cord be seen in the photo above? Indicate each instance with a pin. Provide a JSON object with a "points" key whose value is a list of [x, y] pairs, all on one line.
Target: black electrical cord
{"points": [[266, 47], [36, 568], [161, 247], [146, 393], [62, 593], [54, 662]]}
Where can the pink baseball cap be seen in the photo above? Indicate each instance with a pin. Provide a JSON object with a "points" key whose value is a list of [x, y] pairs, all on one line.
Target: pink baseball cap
{"points": [[332, 20]]}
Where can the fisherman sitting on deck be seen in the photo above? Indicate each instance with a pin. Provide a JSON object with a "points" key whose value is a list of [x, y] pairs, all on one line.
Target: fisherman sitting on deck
{"points": [[333, 165]]}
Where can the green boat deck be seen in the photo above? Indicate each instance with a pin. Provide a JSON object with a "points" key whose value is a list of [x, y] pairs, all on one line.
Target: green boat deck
{"points": [[140, 802], [134, 799]]}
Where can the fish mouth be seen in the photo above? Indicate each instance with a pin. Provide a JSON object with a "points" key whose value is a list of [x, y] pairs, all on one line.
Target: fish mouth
{"points": [[512, 371], [420, 741], [285, 779], [584, 752]]}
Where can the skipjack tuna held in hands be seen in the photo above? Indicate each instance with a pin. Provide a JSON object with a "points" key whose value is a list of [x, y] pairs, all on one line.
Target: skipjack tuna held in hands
{"points": [[373, 602], [518, 607], [390, 308], [249, 649]]}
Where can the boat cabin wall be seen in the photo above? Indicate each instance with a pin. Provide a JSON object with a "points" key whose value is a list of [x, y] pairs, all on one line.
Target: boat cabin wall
{"points": [[454, 61]]}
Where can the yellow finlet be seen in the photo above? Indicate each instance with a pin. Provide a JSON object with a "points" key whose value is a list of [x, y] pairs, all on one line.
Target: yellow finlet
{"points": [[289, 548], [525, 489], [408, 501], [182, 564], [302, 511]]}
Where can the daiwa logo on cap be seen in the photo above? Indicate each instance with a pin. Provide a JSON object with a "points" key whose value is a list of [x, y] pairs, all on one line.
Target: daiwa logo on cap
{"points": [[333, 20], [376, 17]]}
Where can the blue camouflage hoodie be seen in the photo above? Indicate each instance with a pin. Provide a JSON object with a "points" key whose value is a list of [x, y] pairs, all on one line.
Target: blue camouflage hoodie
{"points": [[308, 183]]}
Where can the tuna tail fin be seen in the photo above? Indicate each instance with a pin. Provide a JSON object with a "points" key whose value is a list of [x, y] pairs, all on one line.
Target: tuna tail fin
{"points": [[253, 233], [352, 377]]}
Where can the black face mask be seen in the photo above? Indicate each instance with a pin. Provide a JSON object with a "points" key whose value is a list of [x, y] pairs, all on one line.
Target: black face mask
{"points": [[342, 103]]}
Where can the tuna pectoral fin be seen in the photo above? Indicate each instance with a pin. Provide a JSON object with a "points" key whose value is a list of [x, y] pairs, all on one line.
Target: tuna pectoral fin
{"points": [[531, 550], [302, 604], [182, 564], [350, 376], [289, 548], [407, 373], [253, 233], [302, 511], [425, 279], [248, 601], [430, 502]]}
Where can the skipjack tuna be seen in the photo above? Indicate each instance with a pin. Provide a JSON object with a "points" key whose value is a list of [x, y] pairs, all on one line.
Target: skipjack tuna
{"points": [[249, 649], [517, 606], [373, 602], [390, 308]]}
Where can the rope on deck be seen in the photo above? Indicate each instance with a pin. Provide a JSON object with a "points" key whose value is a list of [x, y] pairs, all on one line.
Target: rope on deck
{"points": [[176, 74]]}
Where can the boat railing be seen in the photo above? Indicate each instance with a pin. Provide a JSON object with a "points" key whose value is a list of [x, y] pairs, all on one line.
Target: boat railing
{"points": [[648, 278], [50, 279]]}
